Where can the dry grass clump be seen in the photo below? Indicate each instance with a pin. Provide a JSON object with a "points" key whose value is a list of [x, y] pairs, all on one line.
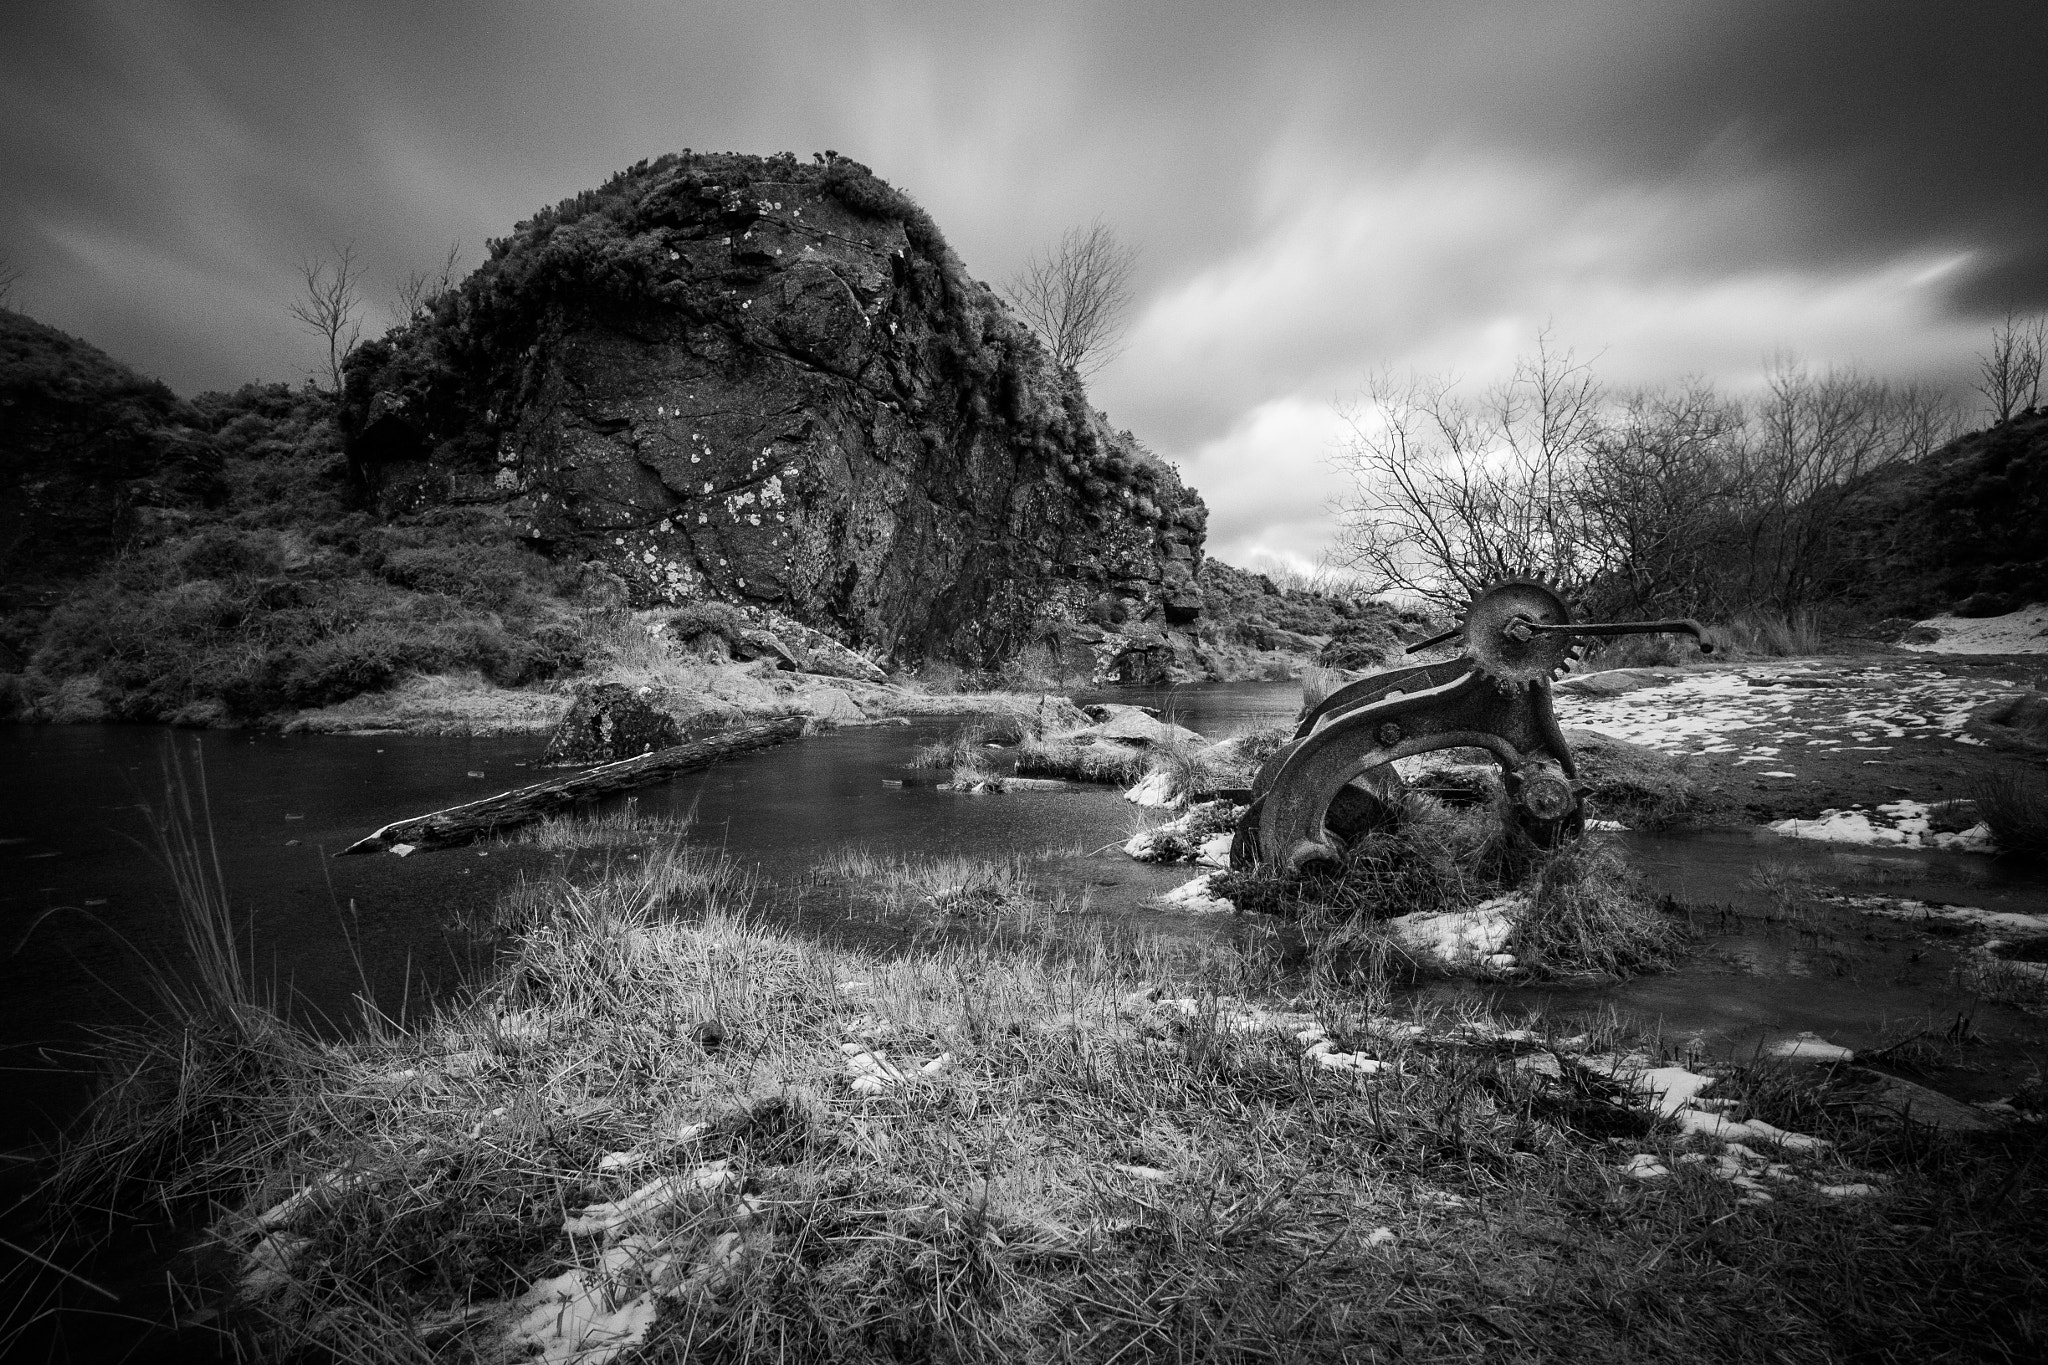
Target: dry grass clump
{"points": [[1095, 761], [1087, 1172], [1418, 856], [1260, 745], [1185, 770], [1591, 913], [623, 825], [1635, 785], [948, 891], [1763, 634], [1317, 683], [2016, 808], [966, 754]]}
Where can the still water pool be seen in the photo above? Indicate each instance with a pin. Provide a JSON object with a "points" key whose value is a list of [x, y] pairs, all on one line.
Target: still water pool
{"points": [[84, 904]]}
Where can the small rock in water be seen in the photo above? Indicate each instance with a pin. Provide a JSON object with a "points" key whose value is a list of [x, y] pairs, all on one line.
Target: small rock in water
{"points": [[473, 773], [1808, 1047]]}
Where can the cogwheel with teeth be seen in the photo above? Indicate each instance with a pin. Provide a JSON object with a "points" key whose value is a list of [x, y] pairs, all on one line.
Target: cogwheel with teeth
{"points": [[1496, 653]]}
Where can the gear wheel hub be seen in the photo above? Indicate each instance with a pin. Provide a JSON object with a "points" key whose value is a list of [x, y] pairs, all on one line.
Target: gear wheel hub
{"points": [[1511, 657]]}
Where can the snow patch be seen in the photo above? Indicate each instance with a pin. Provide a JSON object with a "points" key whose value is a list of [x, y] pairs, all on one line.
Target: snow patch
{"points": [[1461, 938], [1198, 896], [2019, 632]]}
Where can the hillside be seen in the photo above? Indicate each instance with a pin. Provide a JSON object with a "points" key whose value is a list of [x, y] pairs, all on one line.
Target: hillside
{"points": [[1965, 528]]}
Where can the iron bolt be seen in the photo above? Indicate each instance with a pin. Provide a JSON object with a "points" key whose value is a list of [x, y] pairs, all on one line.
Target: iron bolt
{"points": [[1390, 733], [1518, 630]]}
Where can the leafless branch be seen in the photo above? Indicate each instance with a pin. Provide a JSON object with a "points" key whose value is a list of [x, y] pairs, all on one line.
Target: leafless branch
{"points": [[2009, 377], [421, 289], [329, 306], [1077, 296]]}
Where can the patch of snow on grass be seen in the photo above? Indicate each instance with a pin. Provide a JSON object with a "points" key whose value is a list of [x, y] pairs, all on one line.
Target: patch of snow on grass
{"points": [[1154, 789], [2020, 632], [1897, 824], [1755, 710], [1896, 907], [1196, 896], [1459, 938]]}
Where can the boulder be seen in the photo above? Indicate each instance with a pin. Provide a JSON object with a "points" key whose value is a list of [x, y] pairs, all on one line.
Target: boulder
{"points": [[820, 653], [751, 644], [1130, 725], [831, 704], [759, 381], [609, 722], [1149, 656]]}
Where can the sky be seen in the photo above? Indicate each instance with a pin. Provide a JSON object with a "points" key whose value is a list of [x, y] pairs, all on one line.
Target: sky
{"points": [[1317, 191]]}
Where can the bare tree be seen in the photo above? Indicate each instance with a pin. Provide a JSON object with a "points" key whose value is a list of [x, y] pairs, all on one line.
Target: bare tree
{"points": [[1450, 494], [420, 289], [2010, 376], [329, 307], [1077, 296], [10, 275]]}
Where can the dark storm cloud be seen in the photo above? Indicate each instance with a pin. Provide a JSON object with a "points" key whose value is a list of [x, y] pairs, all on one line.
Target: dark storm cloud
{"points": [[1316, 188], [1884, 124]]}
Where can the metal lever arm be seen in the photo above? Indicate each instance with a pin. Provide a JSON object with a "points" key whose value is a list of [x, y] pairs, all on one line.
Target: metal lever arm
{"points": [[1523, 629]]}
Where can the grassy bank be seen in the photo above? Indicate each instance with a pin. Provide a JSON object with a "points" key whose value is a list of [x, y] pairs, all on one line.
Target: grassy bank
{"points": [[662, 1125]]}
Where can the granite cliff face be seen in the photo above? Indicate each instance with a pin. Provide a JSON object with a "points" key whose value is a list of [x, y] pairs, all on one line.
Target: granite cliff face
{"points": [[744, 379]]}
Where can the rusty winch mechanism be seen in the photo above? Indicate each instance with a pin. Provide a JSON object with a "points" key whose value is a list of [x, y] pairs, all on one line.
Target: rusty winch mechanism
{"points": [[1518, 635]]}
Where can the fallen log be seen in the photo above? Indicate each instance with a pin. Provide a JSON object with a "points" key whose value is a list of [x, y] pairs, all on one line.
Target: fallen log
{"points": [[461, 824]]}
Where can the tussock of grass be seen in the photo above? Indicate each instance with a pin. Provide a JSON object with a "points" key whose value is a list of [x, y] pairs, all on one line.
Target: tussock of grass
{"points": [[1419, 857], [1635, 785], [1092, 1177], [1188, 773], [989, 892], [1318, 683], [2016, 808], [1090, 762], [1590, 912], [625, 824], [1260, 745], [966, 754], [1765, 634]]}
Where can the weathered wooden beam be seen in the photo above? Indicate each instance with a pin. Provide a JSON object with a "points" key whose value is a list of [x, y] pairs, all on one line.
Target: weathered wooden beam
{"points": [[461, 824]]}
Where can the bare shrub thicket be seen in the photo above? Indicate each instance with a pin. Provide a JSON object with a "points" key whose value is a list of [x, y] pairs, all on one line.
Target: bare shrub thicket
{"points": [[1681, 500], [420, 290], [2009, 375], [329, 306]]}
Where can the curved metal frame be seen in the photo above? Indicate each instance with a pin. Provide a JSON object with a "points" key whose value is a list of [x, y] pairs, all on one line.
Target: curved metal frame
{"points": [[1382, 721], [1454, 704]]}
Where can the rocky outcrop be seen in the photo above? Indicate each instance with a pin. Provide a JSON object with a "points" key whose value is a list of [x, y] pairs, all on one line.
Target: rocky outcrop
{"points": [[747, 380], [609, 722]]}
